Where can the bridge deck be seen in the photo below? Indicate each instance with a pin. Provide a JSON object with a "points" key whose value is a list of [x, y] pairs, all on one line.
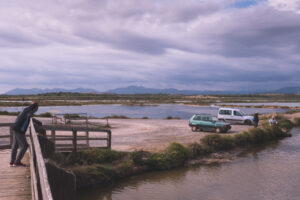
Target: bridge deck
{"points": [[14, 181]]}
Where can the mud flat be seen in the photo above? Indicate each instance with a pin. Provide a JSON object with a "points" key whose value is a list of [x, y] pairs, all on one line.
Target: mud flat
{"points": [[156, 134], [146, 134]]}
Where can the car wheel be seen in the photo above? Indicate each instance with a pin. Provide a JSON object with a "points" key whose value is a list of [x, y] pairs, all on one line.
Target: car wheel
{"points": [[247, 122], [222, 120], [194, 128], [218, 130]]}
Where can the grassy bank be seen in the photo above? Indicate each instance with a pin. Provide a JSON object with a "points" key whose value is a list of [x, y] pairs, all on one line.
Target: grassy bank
{"points": [[77, 99], [96, 167]]}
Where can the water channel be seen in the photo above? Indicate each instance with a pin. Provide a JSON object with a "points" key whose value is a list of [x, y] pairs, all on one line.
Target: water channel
{"points": [[265, 172], [160, 111]]}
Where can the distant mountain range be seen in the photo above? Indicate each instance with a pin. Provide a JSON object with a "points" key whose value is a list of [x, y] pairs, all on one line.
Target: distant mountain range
{"points": [[288, 90], [19, 91], [144, 90]]}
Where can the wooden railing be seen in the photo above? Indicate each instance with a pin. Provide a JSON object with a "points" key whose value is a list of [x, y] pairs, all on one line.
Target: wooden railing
{"points": [[74, 137], [40, 187], [10, 135], [39, 179]]}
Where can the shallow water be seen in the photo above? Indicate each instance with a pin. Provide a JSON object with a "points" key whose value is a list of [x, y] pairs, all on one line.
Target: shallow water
{"points": [[265, 172], [154, 112], [288, 104]]}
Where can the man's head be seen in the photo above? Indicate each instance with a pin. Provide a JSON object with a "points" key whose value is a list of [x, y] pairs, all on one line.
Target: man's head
{"points": [[34, 106]]}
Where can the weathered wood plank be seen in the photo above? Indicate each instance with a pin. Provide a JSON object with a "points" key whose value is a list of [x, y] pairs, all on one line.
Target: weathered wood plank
{"points": [[41, 168], [4, 136], [6, 124], [15, 181], [71, 128]]}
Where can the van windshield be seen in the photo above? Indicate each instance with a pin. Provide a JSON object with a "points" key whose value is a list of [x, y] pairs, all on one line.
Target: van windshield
{"points": [[237, 113]]}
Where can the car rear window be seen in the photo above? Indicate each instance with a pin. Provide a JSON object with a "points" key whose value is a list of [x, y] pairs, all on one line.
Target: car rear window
{"points": [[205, 118], [198, 117], [225, 112]]}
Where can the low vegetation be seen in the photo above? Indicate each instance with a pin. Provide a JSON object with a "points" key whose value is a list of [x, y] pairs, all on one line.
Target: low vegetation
{"points": [[9, 113], [46, 114], [77, 99], [96, 166], [171, 117], [116, 117]]}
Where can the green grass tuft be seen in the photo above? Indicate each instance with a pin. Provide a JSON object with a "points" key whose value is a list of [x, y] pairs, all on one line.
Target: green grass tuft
{"points": [[218, 142]]}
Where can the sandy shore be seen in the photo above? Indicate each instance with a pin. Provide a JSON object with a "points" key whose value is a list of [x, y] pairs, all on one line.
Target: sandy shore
{"points": [[148, 134], [155, 134]]}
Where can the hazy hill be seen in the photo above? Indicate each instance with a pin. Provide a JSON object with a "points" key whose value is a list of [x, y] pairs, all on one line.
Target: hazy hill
{"points": [[288, 90], [144, 90], [19, 91]]}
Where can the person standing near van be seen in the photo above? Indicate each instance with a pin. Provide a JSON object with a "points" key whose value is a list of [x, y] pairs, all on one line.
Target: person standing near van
{"points": [[255, 119], [19, 138]]}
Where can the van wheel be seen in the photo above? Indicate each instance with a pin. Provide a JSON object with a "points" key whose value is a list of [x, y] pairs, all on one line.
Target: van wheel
{"points": [[194, 128], [247, 122], [218, 130]]}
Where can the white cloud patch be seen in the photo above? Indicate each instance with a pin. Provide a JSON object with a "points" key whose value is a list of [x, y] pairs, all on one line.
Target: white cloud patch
{"points": [[189, 44]]}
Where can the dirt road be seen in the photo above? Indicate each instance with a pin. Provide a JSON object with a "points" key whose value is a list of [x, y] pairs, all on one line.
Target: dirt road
{"points": [[147, 134], [155, 134]]}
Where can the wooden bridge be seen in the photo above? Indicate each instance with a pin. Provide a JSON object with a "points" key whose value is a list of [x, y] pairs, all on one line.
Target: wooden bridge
{"points": [[15, 181], [31, 182]]}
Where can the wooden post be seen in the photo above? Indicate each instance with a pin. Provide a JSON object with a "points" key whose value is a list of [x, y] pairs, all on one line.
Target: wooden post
{"points": [[87, 132], [87, 138], [53, 137], [74, 141], [11, 133], [86, 120], [109, 139]]}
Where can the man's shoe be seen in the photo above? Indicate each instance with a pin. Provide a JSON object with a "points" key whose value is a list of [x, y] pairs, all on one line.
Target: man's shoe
{"points": [[11, 164], [19, 164]]}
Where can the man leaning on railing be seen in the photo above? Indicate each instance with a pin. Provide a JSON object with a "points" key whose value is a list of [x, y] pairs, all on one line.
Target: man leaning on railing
{"points": [[19, 139]]}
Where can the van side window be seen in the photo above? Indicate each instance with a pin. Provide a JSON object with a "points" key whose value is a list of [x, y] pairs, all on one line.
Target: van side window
{"points": [[225, 112], [237, 113]]}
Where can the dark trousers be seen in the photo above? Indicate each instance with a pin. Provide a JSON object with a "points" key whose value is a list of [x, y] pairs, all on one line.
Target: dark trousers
{"points": [[255, 123], [19, 141]]}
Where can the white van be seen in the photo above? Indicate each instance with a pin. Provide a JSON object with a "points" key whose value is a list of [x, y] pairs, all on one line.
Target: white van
{"points": [[233, 115]]}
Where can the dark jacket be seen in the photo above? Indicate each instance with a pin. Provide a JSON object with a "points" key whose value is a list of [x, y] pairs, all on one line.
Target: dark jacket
{"points": [[255, 118], [22, 121]]}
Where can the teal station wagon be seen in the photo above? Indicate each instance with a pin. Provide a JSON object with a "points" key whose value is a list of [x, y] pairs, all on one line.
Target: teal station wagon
{"points": [[206, 122]]}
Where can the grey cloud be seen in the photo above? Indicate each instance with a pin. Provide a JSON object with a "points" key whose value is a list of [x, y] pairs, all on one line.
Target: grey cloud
{"points": [[263, 32], [127, 41], [11, 37], [156, 43]]}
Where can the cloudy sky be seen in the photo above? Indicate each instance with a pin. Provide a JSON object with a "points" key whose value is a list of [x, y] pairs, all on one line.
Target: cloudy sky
{"points": [[183, 44]]}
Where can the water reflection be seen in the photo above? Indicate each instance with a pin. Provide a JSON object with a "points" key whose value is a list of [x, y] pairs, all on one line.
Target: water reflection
{"points": [[264, 172]]}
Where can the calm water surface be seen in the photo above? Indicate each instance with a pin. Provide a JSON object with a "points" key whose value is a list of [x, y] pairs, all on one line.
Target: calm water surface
{"points": [[155, 112], [288, 104], [271, 172]]}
